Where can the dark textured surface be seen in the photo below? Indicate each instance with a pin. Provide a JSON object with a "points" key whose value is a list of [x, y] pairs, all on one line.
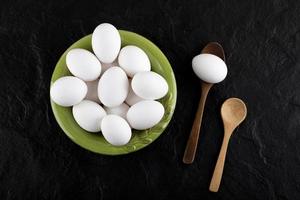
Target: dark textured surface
{"points": [[262, 44]]}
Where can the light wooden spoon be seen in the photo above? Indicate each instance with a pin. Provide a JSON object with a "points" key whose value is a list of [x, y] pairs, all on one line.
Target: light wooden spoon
{"points": [[191, 146], [233, 112]]}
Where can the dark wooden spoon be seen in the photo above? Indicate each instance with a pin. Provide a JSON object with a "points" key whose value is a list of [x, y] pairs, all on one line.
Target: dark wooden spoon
{"points": [[191, 147]]}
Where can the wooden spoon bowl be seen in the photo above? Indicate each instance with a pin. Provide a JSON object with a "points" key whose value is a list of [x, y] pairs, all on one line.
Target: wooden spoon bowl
{"points": [[233, 111]]}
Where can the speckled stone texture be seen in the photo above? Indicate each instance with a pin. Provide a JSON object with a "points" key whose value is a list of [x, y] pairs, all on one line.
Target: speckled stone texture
{"points": [[262, 45]]}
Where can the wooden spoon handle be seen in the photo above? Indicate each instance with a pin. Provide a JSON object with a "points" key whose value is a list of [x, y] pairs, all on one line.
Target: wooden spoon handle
{"points": [[217, 175], [191, 146]]}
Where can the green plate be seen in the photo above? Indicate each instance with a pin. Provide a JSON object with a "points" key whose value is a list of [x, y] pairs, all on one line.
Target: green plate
{"points": [[96, 142]]}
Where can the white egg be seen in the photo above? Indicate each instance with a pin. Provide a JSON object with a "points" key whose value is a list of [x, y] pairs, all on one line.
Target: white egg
{"points": [[83, 64], [149, 85], [88, 115], [113, 87], [115, 130], [106, 66], [120, 110], [209, 68], [68, 91], [133, 60], [145, 114], [132, 98], [92, 93], [106, 42]]}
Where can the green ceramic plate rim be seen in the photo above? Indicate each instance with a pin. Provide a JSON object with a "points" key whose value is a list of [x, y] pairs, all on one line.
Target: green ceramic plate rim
{"points": [[148, 136]]}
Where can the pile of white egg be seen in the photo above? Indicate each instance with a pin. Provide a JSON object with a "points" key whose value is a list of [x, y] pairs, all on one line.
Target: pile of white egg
{"points": [[112, 90]]}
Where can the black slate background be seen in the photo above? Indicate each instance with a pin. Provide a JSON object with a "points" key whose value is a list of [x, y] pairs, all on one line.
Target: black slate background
{"points": [[262, 44]]}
